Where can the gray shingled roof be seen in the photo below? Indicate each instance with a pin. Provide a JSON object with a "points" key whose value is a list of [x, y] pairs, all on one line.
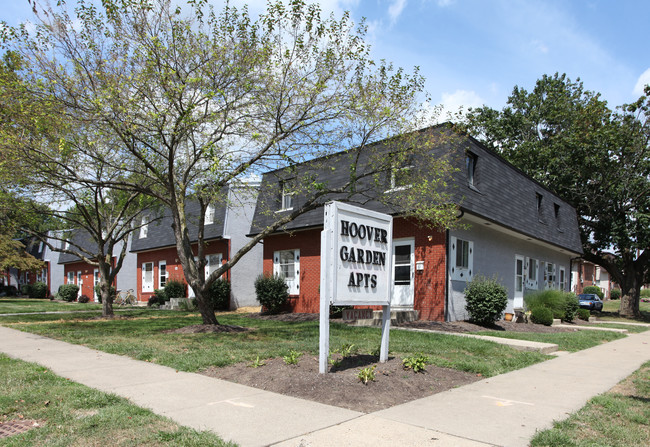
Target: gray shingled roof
{"points": [[160, 233], [501, 194], [82, 239]]}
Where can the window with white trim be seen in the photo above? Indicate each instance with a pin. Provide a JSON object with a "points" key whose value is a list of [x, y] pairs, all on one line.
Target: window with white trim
{"points": [[286, 263], [287, 197], [461, 259], [144, 230], [95, 277], [470, 164], [562, 281], [70, 278], [162, 274], [400, 173], [209, 215], [532, 273], [549, 276]]}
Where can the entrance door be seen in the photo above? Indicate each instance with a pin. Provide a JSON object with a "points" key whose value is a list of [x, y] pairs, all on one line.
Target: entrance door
{"points": [[520, 276], [403, 272], [80, 283], [147, 277]]}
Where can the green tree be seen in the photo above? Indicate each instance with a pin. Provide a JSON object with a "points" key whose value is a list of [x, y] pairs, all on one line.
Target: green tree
{"points": [[569, 140], [190, 103]]}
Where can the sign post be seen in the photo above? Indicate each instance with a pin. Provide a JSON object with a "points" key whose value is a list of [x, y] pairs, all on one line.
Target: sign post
{"points": [[356, 267]]}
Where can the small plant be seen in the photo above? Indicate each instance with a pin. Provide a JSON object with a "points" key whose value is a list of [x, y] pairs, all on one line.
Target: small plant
{"points": [[83, 299], [584, 314], [594, 289], [615, 294], [159, 297], [334, 362], [367, 374], [272, 292], [542, 315], [416, 363], [219, 294], [257, 363], [292, 357], [26, 290], [111, 291], [571, 306], [347, 350], [175, 289], [485, 300], [39, 290], [68, 292]]}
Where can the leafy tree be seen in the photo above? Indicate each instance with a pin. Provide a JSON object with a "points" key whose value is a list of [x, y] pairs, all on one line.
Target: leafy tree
{"points": [[187, 104], [568, 139]]}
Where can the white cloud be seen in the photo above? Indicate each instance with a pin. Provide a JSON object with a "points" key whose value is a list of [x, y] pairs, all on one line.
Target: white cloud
{"points": [[643, 80], [395, 9], [539, 46], [458, 102]]}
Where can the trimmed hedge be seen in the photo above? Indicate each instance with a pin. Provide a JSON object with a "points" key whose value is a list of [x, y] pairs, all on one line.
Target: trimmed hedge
{"points": [[584, 314], [219, 294], [485, 300], [571, 306], [542, 315], [68, 292], [83, 299], [615, 294], [272, 292], [175, 289], [594, 289]]}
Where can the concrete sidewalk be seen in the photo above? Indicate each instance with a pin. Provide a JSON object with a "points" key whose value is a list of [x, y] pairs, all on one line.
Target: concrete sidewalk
{"points": [[504, 410]]}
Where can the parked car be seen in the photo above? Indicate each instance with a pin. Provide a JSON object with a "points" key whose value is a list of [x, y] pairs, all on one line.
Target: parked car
{"points": [[590, 301]]}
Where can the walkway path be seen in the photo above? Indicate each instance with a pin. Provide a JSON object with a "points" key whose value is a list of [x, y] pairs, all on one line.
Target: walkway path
{"points": [[504, 410]]}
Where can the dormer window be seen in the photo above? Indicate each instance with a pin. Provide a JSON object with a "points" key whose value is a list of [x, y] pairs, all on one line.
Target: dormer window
{"points": [[209, 215], [470, 164], [287, 197], [400, 173], [558, 221], [538, 201], [144, 230]]}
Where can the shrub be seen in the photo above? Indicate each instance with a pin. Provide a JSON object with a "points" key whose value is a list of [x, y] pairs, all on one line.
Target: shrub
{"points": [[542, 315], [68, 292], [83, 299], [219, 294], [153, 301], [39, 290], [9, 290], [26, 290], [111, 290], [594, 289], [174, 289], [554, 300], [159, 298], [416, 363], [571, 306], [584, 314], [615, 294], [486, 300], [272, 292]]}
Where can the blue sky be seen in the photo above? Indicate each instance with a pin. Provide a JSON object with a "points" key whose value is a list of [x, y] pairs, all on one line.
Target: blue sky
{"points": [[473, 52]]}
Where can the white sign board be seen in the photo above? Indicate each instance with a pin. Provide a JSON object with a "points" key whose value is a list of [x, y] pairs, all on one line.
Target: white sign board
{"points": [[356, 267], [358, 255]]}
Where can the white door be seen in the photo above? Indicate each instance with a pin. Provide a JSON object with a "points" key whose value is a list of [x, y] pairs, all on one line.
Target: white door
{"points": [[80, 283], [520, 275], [403, 273], [147, 277]]}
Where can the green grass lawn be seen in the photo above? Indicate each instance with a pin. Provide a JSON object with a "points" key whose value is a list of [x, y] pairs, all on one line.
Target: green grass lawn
{"points": [[618, 418], [611, 307], [72, 414], [566, 341], [142, 338], [10, 305]]}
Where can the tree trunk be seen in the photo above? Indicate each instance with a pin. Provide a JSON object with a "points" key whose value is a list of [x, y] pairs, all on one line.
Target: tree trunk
{"points": [[105, 289], [205, 307], [630, 303]]}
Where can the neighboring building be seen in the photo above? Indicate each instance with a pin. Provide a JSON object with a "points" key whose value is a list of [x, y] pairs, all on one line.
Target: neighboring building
{"points": [[517, 230], [18, 278], [225, 229], [585, 273], [86, 276]]}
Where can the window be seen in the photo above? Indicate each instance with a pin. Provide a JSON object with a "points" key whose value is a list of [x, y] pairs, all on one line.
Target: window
{"points": [[95, 277], [538, 199], [549, 276], [400, 173], [144, 230], [562, 279], [41, 246], [70, 278], [461, 257], [212, 262], [558, 221], [287, 197], [286, 263], [519, 274], [533, 266], [162, 274], [209, 215], [470, 162], [147, 277]]}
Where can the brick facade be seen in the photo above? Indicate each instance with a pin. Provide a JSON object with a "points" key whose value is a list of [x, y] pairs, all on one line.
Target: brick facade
{"points": [[429, 287], [173, 264]]}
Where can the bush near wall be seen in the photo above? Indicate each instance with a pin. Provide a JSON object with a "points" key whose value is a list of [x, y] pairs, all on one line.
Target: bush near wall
{"points": [[594, 289], [615, 294], [175, 289], [554, 300], [39, 290], [220, 294], [542, 315], [111, 290], [485, 300], [26, 290], [272, 292], [68, 292]]}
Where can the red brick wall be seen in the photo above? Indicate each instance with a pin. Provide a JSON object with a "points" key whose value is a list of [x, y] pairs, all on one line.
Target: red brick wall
{"points": [[429, 285], [174, 267], [87, 277]]}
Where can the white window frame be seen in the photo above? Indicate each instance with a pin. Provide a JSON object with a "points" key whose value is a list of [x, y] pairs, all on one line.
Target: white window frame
{"points": [[144, 229], [209, 215], [70, 279], [286, 199], [549, 275], [293, 283], [162, 276], [562, 278], [470, 164], [461, 273], [95, 278], [532, 274], [523, 275]]}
